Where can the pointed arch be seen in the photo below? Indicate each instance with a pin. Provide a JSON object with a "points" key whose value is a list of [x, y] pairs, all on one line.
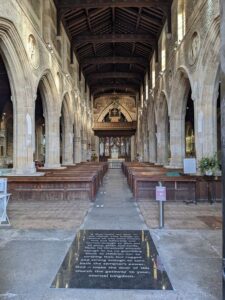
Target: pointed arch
{"points": [[209, 80], [182, 84], [19, 72], [110, 106]]}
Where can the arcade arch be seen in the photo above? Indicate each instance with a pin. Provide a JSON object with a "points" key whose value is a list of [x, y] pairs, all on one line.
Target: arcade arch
{"points": [[14, 56], [180, 93], [50, 103], [209, 95]]}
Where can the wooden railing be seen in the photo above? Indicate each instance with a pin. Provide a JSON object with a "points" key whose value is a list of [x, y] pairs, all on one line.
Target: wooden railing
{"points": [[115, 125]]}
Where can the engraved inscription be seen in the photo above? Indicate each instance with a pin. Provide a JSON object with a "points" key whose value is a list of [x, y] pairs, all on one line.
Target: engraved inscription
{"points": [[112, 259]]}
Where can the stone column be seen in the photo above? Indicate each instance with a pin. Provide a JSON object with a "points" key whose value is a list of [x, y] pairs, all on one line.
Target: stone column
{"points": [[222, 58], [67, 158], [52, 150], [177, 144], [152, 146], [132, 141], [39, 145], [84, 146], [77, 149], [162, 144], [23, 143]]}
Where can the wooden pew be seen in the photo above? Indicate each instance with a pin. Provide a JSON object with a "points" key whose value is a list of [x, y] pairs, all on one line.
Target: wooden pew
{"points": [[75, 182], [143, 179], [177, 188]]}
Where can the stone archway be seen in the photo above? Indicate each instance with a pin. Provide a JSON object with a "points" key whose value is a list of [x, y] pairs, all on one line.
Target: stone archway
{"points": [[162, 121], [20, 79], [178, 104], [67, 131], [209, 79], [110, 106], [50, 103], [6, 119]]}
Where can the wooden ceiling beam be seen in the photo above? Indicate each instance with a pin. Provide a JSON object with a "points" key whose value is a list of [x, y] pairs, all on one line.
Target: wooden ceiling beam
{"points": [[114, 60], [71, 4], [114, 38], [124, 87], [143, 17], [110, 95], [79, 20], [128, 75]]}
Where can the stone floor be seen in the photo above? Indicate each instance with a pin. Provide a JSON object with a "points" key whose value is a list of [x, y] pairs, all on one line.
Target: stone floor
{"points": [[47, 214], [33, 248], [179, 215]]}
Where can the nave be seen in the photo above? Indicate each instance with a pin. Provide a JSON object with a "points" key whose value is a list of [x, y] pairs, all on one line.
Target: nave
{"points": [[191, 257]]}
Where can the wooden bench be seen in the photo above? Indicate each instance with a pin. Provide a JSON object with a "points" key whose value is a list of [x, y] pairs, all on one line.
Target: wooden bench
{"points": [[177, 188], [75, 182]]}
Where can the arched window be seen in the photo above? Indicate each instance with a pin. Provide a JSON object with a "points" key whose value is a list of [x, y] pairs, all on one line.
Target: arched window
{"points": [[142, 96], [153, 71], [163, 52], [181, 20], [146, 86]]}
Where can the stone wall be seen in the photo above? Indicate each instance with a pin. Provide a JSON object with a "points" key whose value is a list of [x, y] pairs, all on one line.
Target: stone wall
{"points": [[191, 63], [36, 56]]}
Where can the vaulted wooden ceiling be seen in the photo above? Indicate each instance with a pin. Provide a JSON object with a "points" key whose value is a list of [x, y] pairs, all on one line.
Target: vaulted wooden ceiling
{"points": [[114, 39]]}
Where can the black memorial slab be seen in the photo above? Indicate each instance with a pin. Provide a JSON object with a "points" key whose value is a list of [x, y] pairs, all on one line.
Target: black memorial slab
{"points": [[112, 259]]}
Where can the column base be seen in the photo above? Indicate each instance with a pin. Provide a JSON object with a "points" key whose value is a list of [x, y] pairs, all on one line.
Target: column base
{"points": [[53, 166], [174, 166], [68, 164]]}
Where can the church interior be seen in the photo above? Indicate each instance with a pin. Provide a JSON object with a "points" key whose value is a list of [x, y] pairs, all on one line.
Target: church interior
{"points": [[112, 149]]}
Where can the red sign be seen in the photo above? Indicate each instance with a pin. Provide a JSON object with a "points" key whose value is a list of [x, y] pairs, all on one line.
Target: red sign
{"points": [[160, 194]]}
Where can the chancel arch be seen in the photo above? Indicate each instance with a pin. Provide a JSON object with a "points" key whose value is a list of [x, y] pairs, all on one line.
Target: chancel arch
{"points": [[109, 110], [180, 93]]}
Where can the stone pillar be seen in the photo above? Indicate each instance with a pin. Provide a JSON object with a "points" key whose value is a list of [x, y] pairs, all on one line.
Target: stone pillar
{"points": [[52, 151], [23, 144], [77, 149], [145, 150], [132, 142], [84, 147], [39, 146], [177, 144], [162, 144], [152, 146], [67, 148], [97, 146], [222, 59]]}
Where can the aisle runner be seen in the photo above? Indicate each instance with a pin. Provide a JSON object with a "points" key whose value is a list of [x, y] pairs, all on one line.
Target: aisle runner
{"points": [[112, 259]]}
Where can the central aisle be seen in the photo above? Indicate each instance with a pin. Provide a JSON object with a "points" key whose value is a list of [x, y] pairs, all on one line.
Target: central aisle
{"points": [[114, 207]]}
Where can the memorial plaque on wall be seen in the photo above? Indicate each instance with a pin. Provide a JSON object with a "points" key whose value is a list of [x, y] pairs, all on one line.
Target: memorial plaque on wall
{"points": [[112, 260]]}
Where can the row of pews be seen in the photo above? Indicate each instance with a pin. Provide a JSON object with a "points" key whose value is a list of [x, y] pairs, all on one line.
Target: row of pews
{"points": [[143, 178], [71, 182]]}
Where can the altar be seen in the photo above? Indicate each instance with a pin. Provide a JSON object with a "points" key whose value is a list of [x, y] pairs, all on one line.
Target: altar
{"points": [[115, 163]]}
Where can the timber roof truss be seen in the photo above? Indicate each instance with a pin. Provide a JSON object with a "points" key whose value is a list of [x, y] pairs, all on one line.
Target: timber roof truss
{"points": [[114, 39]]}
